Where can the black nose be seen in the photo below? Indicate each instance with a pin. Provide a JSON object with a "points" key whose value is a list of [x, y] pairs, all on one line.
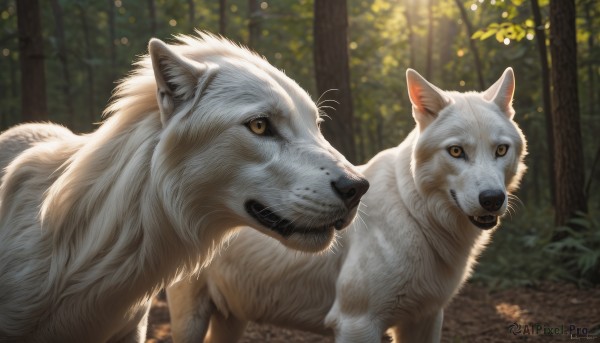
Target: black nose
{"points": [[350, 188], [491, 200]]}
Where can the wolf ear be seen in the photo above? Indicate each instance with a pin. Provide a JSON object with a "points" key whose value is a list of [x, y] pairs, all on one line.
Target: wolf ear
{"points": [[176, 77], [427, 99], [501, 92]]}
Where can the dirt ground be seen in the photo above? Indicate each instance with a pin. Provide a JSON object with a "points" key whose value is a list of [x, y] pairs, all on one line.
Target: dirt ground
{"points": [[551, 312]]}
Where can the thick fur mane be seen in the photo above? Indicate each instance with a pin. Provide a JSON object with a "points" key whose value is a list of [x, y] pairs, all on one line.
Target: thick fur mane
{"points": [[135, 96], [92, 226], [101, 229], [121, 147]]}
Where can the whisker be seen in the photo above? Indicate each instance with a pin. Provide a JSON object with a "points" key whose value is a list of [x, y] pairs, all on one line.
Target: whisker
{"points": [[362, 221], [323, 94], [323, 114], [322, 107], [326, 101]]}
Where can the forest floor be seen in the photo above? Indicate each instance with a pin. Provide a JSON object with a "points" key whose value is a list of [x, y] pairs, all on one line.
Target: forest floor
{"points": [[550, 312]]}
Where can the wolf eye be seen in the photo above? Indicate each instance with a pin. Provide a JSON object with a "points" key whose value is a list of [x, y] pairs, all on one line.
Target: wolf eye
{"points": [[501, 150], [260, 126], [456, 151]]}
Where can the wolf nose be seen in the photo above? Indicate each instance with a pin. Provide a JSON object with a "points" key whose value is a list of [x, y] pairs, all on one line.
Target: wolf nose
{"points": [[491, 200], [350, 188]]}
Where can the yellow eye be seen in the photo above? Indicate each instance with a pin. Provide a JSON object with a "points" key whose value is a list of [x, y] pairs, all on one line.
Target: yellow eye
{"points": [[259, 126], [501, 150], [456, 151]]}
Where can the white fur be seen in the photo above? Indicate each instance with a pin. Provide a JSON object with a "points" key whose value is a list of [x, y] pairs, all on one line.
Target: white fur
{"points": [[92, 226], [19, 138], [400, 267]]}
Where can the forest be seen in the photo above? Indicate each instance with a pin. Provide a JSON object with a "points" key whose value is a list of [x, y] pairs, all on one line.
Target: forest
{"points": [[61, 59]]}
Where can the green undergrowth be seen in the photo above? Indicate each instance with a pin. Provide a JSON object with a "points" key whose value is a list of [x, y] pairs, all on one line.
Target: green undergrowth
{"points": [[523, 252]]}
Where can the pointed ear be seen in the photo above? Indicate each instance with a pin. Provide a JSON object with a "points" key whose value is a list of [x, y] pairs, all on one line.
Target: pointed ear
{"points": [[176, 77], [427, 99], [501, 92]]}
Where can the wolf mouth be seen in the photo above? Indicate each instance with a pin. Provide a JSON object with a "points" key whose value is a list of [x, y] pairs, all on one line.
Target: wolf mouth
{"points": [[483, 222], [283, 226]]}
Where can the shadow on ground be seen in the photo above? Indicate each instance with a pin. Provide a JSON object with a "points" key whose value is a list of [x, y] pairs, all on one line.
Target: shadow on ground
{"points": [[550, 312]]}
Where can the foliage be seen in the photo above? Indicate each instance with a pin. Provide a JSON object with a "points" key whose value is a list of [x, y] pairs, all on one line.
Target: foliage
{"points": [[524, 252], [506, 30], [579, 251], [381, 49]]}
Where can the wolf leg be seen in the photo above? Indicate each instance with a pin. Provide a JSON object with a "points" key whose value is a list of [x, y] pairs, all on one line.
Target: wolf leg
{"points": [[225, 329], [357, 329], [138, 333], [426, 330], [190, 308]]}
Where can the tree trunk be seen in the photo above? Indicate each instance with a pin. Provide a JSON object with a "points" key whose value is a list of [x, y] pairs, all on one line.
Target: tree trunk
{"points": [[3, 112], [540, 36], [14, 84], [372, 133], [449, 29], [112, 37], [589, 18], [62, 57], [222, 17], [595, 161], [152, 17], [362, 152], [88, 65], [253, 23], [429, 53], [332, 72], [410, 14], [472, 46], [569, 181], [192, 15], [31, 58], [379, 130]]}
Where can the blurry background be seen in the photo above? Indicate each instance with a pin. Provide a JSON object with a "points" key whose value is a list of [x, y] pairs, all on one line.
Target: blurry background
{"points": [[60, 60]]}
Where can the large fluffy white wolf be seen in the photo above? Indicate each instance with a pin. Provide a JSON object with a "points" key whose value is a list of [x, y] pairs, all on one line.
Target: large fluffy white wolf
{"points": [[432, 203], [202, 137]]}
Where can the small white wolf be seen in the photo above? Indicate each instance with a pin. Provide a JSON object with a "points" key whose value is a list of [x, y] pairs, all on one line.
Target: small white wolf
{"points": [[432, 203], [203, 137]]}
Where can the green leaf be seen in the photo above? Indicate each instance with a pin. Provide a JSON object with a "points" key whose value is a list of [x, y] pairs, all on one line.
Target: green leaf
{"points": [[530, 241], [477, 34], [488, 33], [500, 36], [529, 23], [588, 260], [582, 222]]}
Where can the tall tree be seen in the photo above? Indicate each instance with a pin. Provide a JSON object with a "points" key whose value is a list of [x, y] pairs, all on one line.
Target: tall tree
{"points": [[112, 37], [591, 65], [448, 28], [472, 46], [332, 72], [569, 180], [91, 103], [253, 23], [540, 37], [63, 58], [410, 14], [31, 58], [223, 17], [430, 33], [192, 14], [152, 17]]}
